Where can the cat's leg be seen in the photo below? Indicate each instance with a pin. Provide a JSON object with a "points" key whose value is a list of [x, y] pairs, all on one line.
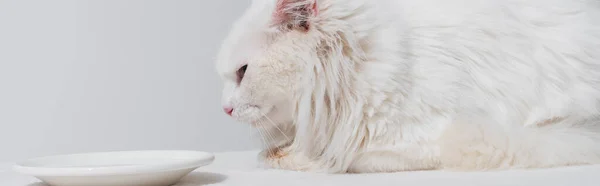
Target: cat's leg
{"points": [[395, 160]]}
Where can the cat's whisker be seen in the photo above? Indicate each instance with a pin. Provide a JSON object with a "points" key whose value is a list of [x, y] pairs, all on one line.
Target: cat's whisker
{"points": [[266, 137], [262, 138], [277, 127], [270, 136]]}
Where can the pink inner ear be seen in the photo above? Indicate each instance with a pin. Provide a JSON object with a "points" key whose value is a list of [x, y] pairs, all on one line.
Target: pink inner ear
{"points": [[280, 16], [315, 8]]}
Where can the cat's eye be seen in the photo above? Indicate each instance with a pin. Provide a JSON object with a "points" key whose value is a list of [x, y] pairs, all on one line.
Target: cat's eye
{"points": [[241, 72]]}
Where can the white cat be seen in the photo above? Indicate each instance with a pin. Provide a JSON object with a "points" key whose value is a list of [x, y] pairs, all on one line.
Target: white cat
{"points": [[397, 85]]}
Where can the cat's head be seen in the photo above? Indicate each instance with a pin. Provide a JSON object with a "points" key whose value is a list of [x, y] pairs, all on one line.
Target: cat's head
{"points": [[262, 59]]}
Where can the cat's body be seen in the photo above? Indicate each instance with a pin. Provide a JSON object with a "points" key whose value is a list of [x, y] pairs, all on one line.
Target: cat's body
{"points": [[395, 85]]}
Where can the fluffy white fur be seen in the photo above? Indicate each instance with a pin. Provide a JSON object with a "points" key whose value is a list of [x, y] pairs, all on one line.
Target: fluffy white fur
{"points": [[396, 85]]}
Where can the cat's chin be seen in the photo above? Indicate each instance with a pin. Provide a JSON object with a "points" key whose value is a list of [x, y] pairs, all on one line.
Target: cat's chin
{"points": [[262, 122], [259, 123]]}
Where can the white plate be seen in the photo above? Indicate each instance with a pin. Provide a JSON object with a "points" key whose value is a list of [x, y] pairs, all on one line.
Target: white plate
{"points": [[129, 168]]}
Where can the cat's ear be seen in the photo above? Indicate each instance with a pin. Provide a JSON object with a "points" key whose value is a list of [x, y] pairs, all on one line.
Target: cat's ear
{"points": [[295, 14]]}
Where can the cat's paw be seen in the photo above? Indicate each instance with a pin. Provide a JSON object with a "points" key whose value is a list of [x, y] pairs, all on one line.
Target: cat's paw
{"points": [[284, 158]]}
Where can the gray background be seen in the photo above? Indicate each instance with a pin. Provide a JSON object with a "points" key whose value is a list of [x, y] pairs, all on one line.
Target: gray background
{"points": [[103, 75]]}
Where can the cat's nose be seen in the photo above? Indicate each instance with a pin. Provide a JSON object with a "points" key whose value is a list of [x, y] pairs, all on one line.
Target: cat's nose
{"points": [[228, 110]]}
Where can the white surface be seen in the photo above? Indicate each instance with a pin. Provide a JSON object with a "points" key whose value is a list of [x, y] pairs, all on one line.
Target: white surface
{"points": [[146, 168], [97, 75], [239, 168]]}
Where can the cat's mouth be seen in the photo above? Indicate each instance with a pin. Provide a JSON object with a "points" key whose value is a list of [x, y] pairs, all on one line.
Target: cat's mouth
{"points": [[254, 115]]}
